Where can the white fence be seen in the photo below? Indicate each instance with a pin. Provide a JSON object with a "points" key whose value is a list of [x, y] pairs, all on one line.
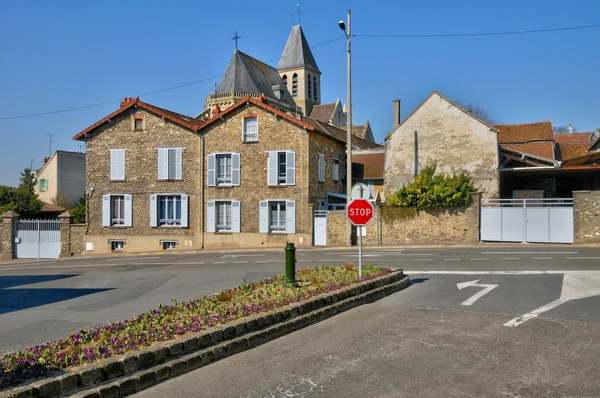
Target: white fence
{"points": [[37, 239], [527, 220]]}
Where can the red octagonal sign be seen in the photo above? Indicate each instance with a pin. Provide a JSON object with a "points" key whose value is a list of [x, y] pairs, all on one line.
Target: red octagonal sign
{"points": [[359, 212]]}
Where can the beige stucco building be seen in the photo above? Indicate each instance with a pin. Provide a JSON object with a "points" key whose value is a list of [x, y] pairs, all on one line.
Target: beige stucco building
{"points": [[61, 175], [441, 131]]}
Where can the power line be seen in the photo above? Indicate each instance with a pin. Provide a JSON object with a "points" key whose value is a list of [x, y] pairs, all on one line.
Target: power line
{"points": [[516, 32]]}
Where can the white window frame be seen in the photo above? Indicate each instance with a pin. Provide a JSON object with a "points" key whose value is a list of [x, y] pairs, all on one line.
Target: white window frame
{"points": [[227, 205], [245, 133], [290, 168], [117, 245], [336, 169], [281, 227], [225, 181], [173, 200], [212, 174], [155, 202], [287, 225], [163, 167], [107, 211], [117, 169], [120, 209]]}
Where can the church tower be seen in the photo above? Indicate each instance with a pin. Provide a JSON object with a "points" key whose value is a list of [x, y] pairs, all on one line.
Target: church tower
{"points": [[299, 71]]}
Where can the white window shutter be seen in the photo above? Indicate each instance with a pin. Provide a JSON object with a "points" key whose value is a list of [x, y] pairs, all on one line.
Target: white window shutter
{"points": [[211, 170], [128, 211], [235, 169], [235, 216], [45, 184], [291, 168], [184, 210], [290, 215], [121, 167], [178, 164], [113, 164], [263, 216], [163, 163], [321, 167], [172, 163], [106, 211], [153, 210], [272, 178], [210, 216]]}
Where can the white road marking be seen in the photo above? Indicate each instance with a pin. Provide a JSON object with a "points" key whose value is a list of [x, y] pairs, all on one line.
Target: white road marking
{"points": [[546, 252], [582, 258], [218, 262], [550, 272], [509, 258], [261, 261], [452, 259], [541, 258], [242, 255], [240, 262], [576, 285], [479, 259], [131, 259], [27, 264], [477, 296], [191, 263]]}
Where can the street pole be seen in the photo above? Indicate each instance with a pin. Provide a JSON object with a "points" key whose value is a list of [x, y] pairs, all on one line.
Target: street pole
{"points": [[360, 229], [349, 134]]}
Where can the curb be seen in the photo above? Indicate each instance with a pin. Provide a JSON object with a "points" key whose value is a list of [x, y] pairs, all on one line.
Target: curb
{"points": [[136, 371]]}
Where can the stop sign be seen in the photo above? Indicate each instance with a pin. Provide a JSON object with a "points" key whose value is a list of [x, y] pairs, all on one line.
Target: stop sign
{"points": [[359, 211]]}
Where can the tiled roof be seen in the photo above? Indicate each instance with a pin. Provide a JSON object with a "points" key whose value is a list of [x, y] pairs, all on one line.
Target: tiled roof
{"points": [[373, 164], [573, 137], [538, 149], [185, 121], [323, 113], [340, 134], [513, 133], [50, 208], [566, 151]]}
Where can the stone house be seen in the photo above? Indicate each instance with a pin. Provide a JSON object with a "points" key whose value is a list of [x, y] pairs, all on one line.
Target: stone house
{"points": [[441, 131]]}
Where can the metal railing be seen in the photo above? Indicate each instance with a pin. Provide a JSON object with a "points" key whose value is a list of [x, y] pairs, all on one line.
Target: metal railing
{"points": [[533, 202]]}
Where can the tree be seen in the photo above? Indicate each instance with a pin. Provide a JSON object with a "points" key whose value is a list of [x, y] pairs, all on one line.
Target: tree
{"points": [[26, 180], [562, 129], [63, 199], [477, 111], [78, 212], [22, 199]]}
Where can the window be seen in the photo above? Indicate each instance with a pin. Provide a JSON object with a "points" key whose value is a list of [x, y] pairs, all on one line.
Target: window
{"points": [[321, 167], [169, 210], [138, 124], [116, 210], [117, 164], [284, 78], [250, 129], [295, 85], [315, 88], [309, 87], [170, 163], [277, 216], [223, 216], [42, 184], [223, 169], [169, 244], [282, 168], [117, 245], [336, 170]]}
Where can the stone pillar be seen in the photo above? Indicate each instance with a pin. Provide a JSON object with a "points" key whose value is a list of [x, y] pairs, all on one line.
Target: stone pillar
{"points": [[66, 219], [586, 216], [7, 235]]}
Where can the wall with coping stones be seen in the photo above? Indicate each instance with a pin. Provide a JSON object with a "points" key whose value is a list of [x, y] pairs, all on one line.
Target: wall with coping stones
{"points": [[586, 216], [410, 226], [6, 238]]}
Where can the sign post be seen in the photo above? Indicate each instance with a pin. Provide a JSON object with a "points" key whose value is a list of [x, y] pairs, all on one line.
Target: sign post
{"points": [[360, 213]]}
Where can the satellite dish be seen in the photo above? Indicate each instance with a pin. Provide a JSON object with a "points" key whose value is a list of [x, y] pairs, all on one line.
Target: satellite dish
{"points": [[360, 191]]}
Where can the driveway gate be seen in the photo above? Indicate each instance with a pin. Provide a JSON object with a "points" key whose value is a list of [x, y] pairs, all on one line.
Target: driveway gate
{"points": [[527, 220], [320, 228], [37, 239]]}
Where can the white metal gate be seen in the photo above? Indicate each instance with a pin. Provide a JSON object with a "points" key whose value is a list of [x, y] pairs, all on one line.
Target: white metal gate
{"points": [[37, 239], [320, 227], [527, 220]]}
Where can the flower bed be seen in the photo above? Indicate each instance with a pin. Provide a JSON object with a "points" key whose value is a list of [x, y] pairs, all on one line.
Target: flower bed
{"points": [[169, 322]]}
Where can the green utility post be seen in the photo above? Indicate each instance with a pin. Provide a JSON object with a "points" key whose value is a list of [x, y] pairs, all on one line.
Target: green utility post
{"points": [[290, 264]]}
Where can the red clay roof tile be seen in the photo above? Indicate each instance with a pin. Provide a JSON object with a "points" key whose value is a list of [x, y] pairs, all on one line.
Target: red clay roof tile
{"points": [[520, 133]]}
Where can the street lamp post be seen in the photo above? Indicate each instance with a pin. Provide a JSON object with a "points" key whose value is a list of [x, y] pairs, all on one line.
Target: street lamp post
{"points": [[349, 128]]}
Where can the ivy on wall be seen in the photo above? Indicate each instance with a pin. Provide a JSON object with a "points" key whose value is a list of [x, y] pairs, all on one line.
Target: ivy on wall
{"points": [[434, 191]]}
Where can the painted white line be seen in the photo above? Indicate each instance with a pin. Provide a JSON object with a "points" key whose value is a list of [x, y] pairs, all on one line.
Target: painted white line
{"points": [[218, 262], [242, 255], [478, 295], [519, 320], [280, 261], [546, 252], [26, 264], [63, 266], [479, 259], [452, 259], [582, 258], [262, 261], [551, 272], [240, 262], [509, 258], [191, 263], [541, 258], [131, 259]]}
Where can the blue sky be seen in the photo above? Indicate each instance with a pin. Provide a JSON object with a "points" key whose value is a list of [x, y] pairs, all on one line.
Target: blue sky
{"points": [[65, 54]]}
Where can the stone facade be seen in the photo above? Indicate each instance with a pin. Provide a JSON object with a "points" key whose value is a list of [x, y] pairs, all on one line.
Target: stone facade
{"points": [[586, 216], [141, 180], [72, 236], [440, 131], [394, 225], [7, 235], [274, 134]]}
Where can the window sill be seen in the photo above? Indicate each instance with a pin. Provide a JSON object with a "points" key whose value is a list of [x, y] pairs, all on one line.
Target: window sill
{"points": [[168, 180], [250, 142], [170, 226], [117, 181], [276, 233], [279, 186], [223, 186], [117, 226], [224, 233]]}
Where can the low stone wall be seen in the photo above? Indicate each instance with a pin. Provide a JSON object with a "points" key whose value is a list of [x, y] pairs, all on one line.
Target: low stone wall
{"points": [[586, 216], [393, 225], [77, 239]]}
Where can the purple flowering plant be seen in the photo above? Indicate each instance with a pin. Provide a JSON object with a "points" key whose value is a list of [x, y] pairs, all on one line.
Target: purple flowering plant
{"points": [[170, 321]]}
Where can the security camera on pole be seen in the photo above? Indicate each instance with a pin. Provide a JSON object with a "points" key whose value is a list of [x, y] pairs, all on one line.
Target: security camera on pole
{"points": [[360, 212]]}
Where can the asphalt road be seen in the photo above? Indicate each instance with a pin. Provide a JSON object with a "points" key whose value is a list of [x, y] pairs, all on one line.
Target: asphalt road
{"points": [[44, 300]]}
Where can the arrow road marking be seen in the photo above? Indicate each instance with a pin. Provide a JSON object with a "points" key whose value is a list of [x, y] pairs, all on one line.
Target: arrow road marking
{"points": [[475, 297]]}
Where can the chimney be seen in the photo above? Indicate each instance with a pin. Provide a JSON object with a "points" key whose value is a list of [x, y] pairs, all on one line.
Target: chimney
{"points": [[396, 112], [45, 160], [570, 129]]}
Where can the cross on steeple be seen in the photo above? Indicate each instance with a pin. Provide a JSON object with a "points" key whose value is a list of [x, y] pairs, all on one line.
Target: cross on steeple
{"points": [[299, 13], [236, 38]]}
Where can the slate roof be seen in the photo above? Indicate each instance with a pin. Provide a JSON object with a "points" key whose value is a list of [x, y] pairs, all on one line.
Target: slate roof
{"points": [[246, 74], [373, 163], [323, 112], [340, 134], [296, 53], [519, 133]]}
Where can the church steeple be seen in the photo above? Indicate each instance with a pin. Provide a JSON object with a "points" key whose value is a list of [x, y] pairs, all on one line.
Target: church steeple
{"points": [[299, 71]]}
